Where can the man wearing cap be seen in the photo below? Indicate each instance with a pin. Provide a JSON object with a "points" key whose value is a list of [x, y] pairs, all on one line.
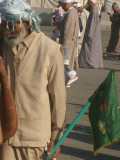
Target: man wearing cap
{"points": [[69, 32], [35, 72], [83, 16], [91, 52], [75, 3], [115, 27]]}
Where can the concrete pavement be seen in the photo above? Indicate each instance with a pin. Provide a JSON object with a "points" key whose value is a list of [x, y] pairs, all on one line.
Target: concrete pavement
{"points": [[79, 145]]}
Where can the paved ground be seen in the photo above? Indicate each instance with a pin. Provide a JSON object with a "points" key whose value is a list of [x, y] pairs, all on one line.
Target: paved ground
{"points": [[79, 145]]}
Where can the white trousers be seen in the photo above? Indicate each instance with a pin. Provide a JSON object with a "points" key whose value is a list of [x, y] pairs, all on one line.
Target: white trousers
{"points": [[21, 153]]}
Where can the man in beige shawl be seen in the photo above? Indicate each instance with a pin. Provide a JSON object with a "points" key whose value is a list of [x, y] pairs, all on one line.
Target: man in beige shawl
{"points": [[69, 35], [35, 72]]}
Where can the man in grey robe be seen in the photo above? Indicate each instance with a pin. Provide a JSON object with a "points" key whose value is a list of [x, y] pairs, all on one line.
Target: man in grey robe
{"points": [[91, 52], [115, 29]]}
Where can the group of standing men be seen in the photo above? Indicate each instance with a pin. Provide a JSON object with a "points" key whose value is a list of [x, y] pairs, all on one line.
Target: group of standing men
{"points": [[35, 71], [80, 36]]}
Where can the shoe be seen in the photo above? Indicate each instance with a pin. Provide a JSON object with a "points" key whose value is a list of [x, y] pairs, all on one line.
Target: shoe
{"points": [[72, 80], [105, 55], [117, 57], [67, 86]]}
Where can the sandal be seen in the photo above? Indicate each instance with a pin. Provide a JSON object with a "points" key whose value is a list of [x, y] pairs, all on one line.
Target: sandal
{"points": [[105, 55]]}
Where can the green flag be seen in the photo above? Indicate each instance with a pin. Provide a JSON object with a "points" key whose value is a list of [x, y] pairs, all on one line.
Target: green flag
{"points": [[104, 113]]}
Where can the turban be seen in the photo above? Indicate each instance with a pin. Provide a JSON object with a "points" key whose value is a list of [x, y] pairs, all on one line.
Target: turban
{"points": [[78, 5], [93, 1], [19, 10], [66, 1], [114, 5]]}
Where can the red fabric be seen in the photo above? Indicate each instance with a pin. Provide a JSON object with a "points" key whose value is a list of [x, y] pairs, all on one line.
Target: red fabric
{"points": [[8, 116], [59, 14]]}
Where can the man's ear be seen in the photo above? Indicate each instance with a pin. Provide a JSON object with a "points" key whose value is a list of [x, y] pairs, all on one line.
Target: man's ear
{"points": [[26, 24]]}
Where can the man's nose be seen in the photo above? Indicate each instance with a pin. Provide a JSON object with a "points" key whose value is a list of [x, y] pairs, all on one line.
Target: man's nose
{"points": [[7, 32]]}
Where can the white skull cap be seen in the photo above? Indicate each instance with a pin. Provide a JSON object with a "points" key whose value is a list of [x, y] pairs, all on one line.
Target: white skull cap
{"points": [[78, 5], [93, 1], [66, 1]]}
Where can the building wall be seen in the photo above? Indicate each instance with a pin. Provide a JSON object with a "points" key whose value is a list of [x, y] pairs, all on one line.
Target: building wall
{"points": [[108, 5], [52, 3]]}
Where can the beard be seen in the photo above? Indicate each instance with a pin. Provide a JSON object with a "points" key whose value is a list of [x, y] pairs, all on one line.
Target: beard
{"points": [[13, 40]]}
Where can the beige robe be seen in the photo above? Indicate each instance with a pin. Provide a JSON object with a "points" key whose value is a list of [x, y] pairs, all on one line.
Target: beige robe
{"points": [[37, 81], [69, 34]]}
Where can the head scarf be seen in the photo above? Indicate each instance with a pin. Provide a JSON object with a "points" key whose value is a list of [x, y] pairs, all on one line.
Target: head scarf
{"points": [[114, 5], [93, 1], [19, 10], [66, 1], [78, 5]]}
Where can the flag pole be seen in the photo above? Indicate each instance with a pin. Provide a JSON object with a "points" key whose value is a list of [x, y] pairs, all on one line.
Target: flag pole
{"points": [[69, 129]]}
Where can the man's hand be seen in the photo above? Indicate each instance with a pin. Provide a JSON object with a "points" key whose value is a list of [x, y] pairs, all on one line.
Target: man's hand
{"points": [[50, 148], [89, 39], [109, 13]]}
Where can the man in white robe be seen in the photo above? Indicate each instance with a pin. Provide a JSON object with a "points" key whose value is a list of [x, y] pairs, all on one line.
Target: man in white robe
{"points": [[83, 16]]}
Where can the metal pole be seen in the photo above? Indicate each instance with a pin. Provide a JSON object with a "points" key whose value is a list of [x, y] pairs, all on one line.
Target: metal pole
{"points": [[69, 129]]}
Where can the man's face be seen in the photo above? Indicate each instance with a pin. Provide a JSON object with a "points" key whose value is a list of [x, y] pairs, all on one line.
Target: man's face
{"points": [[75, 2], [15, 33], [116, 9], [66, 6], [80, 9], [89, 3], [13, 29]]}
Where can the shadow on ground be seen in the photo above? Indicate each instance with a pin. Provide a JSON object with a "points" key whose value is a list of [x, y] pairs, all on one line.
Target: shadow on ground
{"points": [[84, 134], [116, 70], [86, 155]]}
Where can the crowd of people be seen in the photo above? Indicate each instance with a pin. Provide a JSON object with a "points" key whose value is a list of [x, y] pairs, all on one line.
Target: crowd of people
{"points": [[39, 68], [35, 70], [79, 34]]}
